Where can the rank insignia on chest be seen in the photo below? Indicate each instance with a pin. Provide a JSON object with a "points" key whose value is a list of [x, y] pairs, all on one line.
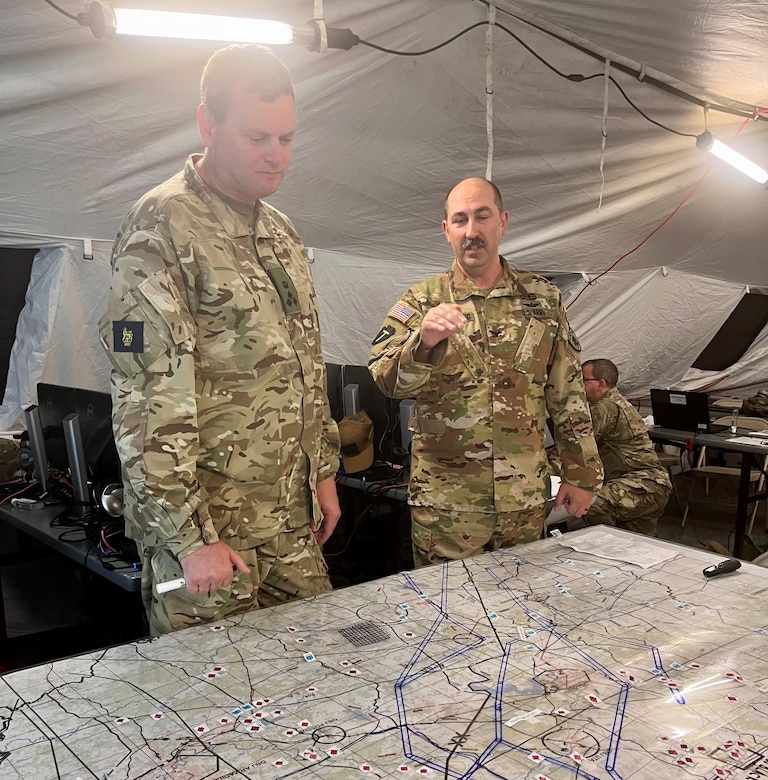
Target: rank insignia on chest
{"points": [[532, 306], [401, 312], [127, 336]]}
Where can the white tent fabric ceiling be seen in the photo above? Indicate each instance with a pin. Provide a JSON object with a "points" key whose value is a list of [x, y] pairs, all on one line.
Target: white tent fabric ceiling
{"points": [[87, 126]]}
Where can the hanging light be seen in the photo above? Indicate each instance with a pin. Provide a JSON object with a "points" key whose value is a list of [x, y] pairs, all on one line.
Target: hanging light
{"points": [[708, 143], [105, 21]]}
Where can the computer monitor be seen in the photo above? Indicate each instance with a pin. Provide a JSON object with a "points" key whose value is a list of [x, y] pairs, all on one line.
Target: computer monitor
{"points": [[333, 373], [681, 410], [56, 405]]}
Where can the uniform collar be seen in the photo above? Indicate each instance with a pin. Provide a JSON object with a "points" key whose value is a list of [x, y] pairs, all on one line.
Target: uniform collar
{"points": [[463, 287], [237, 219]]}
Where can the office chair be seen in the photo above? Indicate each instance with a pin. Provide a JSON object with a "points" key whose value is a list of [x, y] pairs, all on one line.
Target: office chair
{"points": [[703, 469]]}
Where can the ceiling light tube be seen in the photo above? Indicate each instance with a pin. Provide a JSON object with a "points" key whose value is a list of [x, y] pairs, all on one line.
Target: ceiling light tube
{"points": [[106, 21], [708, 143], [167, 24]]}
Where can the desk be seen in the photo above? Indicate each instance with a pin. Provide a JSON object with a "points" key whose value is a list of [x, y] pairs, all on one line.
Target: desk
{"points": [[373, 537], [37, 524], [720, 441], [534, 661]]}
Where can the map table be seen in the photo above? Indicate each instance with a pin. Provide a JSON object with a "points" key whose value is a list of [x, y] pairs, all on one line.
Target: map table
{"points": [[533, 662]]}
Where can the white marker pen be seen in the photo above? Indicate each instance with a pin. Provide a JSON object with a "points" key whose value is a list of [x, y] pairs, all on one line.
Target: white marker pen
{"points": [[164, 587]]}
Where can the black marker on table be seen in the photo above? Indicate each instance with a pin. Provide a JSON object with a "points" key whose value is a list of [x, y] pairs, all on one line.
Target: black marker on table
{"points": [[722, 568]]}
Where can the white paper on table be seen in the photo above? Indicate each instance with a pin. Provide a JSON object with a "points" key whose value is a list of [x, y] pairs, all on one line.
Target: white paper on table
{"points": [[605, 545], [751, 439]]}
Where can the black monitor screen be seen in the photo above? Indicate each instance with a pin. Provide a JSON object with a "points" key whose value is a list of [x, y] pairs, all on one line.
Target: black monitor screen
{"points": [[333, 372], [54, 403], [94, 417]]}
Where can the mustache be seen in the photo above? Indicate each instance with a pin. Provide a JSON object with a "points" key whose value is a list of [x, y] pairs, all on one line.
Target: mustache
{"points": [[473, 243]]}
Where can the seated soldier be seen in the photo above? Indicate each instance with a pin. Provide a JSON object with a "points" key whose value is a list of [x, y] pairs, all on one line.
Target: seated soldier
{"points": [[636, 486]]}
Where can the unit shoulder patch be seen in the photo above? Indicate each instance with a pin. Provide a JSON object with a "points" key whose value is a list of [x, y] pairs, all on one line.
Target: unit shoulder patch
{"points": [[384, 334], [573, 340], [127, 336]]}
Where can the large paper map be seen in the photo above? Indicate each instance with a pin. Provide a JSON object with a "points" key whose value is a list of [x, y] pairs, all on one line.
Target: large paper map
{"points": [[533, 662]]}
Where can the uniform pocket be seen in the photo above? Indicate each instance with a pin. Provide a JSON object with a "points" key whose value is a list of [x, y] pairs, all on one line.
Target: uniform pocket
{"points": [[529, 345], [147, 322]]}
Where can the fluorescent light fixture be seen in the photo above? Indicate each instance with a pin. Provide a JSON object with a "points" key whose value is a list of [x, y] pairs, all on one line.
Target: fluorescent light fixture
{"points": [[167, 24], [105, 21], [708, 143]]}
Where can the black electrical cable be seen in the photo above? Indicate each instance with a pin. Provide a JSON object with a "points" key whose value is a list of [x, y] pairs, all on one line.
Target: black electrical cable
{"points": [[61, 10], [634, 72], [579, 77], [425, 51]]}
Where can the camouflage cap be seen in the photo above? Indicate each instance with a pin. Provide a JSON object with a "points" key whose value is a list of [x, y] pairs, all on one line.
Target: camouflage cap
{"points": [[356, 435]]}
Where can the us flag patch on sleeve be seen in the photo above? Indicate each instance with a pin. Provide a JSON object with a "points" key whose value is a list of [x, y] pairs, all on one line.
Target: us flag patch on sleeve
{"points": [[401, 312]]}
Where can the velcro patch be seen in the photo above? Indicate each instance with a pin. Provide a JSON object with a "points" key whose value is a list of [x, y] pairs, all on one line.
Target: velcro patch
{"points": [[573, 340], [401, 312], [127, 336], [385, 333]]}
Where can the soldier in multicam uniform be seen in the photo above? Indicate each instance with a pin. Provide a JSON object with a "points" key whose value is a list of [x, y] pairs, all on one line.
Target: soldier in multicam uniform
{"points": [[487, 353], [220, 411], [637, 486]]}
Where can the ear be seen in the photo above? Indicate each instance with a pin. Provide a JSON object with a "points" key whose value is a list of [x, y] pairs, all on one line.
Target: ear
{"points": [[445, 231], [504, 221], [205, 124]]}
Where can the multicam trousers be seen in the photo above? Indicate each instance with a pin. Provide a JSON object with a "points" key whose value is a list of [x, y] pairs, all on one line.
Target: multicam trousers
{"points": [[445, 535]]}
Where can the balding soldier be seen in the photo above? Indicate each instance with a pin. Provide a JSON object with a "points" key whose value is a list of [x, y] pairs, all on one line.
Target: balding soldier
{"points": [[637, 486], [487, 353], [222, 423]]}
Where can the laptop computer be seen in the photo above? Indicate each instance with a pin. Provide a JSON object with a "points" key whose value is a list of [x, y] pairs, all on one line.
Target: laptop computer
{"points": [[682, 410]]}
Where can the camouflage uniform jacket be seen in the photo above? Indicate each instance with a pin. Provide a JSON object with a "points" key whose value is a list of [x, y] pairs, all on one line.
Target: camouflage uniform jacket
{"points": [[218, 382], [483, 399], [622, 440]]}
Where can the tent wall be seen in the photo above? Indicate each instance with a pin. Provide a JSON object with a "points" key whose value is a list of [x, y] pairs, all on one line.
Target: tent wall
{"points": [[56, 335], [87, 126]]}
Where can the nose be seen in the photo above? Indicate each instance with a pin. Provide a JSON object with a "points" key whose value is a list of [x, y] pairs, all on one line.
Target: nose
{"points": [[471, 228], [274, 153]]}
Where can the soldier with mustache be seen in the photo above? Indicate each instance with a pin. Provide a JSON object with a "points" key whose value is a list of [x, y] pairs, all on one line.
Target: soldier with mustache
{"points": [[488, 354]]}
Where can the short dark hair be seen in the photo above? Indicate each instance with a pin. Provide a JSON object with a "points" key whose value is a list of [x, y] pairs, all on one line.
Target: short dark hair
{"points": [[602, 368], [257, 66], [496, 197]]}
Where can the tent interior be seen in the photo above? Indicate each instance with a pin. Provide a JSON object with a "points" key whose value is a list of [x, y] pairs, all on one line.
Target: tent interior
{"points": [[586, 116]]}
